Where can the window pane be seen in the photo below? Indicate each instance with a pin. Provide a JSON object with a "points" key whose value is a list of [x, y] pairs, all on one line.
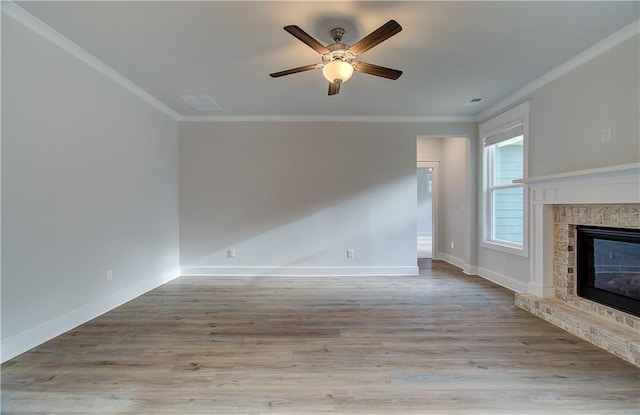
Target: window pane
{"points": [[508, 221], [508, 156]]}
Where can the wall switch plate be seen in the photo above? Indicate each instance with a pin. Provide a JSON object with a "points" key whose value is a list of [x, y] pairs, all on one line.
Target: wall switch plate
{"points": [[109, 275], [231, 253], [349, 253], [452, 245]]}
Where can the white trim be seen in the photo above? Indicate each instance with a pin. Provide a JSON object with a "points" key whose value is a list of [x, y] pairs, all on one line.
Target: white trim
{"points": [[39, 27], [504, 133], [502, 280], [515, 115], [453, 260], [324, 118], [457, 262], [631, 170], [599, 48], [494, 277], [614, 184], [300, 271], [505, 247], [31, 338]]}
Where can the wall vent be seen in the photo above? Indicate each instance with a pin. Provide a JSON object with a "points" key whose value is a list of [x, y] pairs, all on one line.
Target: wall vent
{"points": [[473, 101]]}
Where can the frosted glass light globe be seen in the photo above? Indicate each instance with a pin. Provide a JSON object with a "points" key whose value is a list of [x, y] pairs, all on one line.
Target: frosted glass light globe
{"points": [[337, 70]]}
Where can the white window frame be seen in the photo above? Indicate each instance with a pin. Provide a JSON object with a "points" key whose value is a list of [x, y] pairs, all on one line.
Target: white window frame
{"points": [[491, 128]]}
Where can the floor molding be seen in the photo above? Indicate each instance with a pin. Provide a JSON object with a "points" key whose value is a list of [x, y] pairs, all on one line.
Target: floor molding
{"points": [[31, 338], [299, 271]]}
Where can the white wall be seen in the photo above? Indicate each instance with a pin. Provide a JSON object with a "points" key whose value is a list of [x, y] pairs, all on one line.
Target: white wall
{"points": [[89, 184], [566, 120], [292, 197]]}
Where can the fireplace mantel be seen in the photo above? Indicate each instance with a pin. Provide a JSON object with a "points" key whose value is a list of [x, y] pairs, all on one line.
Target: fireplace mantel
{"points": [[607, 185], [614, 184]]}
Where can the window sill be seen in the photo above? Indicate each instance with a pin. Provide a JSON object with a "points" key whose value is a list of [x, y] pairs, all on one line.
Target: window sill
{"points": [[520, 250]]}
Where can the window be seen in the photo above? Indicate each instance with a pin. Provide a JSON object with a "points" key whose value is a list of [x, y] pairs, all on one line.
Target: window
{"points": [[504, 194]]}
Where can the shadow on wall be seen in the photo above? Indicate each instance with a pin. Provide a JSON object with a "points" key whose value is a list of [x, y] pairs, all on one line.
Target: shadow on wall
{"points": [[296, 195]]}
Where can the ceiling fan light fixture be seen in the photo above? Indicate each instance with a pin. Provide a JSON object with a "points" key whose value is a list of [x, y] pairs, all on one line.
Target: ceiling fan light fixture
{"points": [[337, 70]]}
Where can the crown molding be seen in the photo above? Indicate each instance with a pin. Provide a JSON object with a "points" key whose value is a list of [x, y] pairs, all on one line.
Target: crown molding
{"points": [[39, 27], [325, 118], [599, 48]]}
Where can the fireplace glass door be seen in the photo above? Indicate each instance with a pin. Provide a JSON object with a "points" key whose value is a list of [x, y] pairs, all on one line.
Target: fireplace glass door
{"points": [[608, 267]]}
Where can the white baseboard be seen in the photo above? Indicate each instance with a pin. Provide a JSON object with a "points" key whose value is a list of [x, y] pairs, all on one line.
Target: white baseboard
{"points": [[300, 271], [20, 343], [451, 260], [503, 280], [500, 279]]}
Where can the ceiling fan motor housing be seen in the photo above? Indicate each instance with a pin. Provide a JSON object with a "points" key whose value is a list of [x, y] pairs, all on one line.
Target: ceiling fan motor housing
{"points": [[338, 51]]}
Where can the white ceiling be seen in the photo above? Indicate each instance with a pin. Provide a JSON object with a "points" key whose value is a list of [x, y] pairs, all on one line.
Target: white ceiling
{"points": [[450, 51]]}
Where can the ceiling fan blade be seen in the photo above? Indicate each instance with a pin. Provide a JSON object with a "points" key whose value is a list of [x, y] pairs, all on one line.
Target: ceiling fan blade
{"points": [[376, 37], [376, 70], [295, 70], [307, 39], [334, 88]]}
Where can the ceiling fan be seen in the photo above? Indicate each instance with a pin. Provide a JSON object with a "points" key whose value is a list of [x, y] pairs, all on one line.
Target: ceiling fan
{"points": [[338, 59]]}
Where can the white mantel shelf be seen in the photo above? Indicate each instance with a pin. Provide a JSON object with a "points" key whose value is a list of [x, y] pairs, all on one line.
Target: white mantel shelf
{"points": [[614, 184], [612, 172], [622, 170]]}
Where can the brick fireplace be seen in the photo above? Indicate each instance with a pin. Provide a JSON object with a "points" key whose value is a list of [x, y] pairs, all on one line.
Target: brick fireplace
{"points": [[608, 197]]}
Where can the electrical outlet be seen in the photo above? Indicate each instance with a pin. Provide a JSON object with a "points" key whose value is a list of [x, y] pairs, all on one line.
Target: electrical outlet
{"points": [[231, 253], [109, 275], [606, 135], [349, 253]]}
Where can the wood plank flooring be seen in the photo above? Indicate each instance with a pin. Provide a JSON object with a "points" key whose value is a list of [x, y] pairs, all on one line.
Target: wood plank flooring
{"points": [[439, 343]]}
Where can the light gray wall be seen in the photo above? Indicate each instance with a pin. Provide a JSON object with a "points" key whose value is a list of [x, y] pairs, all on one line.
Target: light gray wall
{"points": [[299, 195], [429, 148], [568, 115], [89, 184], [454, 192], [566, 120]]}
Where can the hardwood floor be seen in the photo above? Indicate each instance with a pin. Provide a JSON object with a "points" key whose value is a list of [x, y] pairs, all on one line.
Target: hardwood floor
{"points": [[440, 343]]}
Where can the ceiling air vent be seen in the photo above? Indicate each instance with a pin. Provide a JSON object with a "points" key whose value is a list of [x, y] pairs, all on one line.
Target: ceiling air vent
{"points": [[202, 103], [473, 101]]}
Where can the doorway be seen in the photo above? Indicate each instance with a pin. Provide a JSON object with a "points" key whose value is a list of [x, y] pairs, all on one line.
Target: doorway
{"points": [[427, 179]]}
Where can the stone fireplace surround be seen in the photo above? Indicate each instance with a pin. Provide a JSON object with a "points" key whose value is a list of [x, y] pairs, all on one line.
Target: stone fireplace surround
{"points": [[608, 197]]}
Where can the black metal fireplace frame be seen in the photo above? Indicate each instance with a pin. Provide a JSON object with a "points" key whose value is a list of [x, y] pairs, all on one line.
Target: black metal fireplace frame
{"points": [[585, 264]]}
